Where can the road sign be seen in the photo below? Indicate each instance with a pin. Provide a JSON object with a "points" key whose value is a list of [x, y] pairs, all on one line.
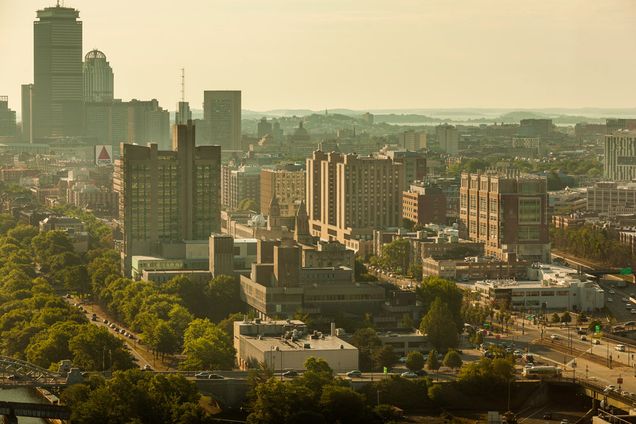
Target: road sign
{"points": [[625, 271], [386, 370], [597, 328], [619, 380]]}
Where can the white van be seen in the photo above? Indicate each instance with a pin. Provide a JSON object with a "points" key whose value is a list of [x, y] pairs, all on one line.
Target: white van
{"points": [[620, 347]]}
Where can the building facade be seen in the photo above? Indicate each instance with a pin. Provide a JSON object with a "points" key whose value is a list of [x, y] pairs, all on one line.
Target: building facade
{"points": [[7, 119], [98, 78], [508, 212], [239, 184], [620, 156], [58, 80], [424, 204], [287, 184], [447, 138], [611, 198], [167, 197], [222, 112], [356, 195]]}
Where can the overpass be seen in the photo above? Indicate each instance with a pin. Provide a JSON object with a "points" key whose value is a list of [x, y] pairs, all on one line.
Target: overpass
{"points": [[18, 373], [12, 410]]}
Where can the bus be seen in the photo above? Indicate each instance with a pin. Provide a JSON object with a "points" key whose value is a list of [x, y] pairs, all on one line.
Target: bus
{"points": [[542, 372]]}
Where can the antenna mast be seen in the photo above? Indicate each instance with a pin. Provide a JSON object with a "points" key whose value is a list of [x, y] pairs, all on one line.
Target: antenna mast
{"points": [[183, 84]]}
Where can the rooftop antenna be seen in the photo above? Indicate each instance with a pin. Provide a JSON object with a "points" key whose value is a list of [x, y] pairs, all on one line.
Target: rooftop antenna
{"points": [[183, 84]]}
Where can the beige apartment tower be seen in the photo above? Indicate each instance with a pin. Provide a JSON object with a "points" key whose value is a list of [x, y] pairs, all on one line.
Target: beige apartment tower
{"points": [[167, 197], [287, 184], [349, 196]]}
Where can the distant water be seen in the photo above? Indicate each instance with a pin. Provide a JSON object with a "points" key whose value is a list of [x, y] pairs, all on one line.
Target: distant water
{"points": [[22, 395]]}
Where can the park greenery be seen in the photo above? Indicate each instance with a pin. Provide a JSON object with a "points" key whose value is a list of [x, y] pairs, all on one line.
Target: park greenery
{"points": [[36, 324], [593, 243], [135, 396]]}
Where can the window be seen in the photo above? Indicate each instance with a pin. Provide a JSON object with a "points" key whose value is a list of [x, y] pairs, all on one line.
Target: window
{"points": [[529, 210]]}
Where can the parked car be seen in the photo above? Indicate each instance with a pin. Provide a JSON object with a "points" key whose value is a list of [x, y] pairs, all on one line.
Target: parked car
{"points": [[354, 373], [620, 347], [596, 341], [421, 373], [554, 336], [547, 416], [105, 321], [408, 374], [215, 377], [583, 338], [290, 373]]}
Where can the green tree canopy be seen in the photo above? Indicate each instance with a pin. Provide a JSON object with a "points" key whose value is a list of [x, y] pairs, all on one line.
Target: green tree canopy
{"points": [[414, 361], [439, 326]]}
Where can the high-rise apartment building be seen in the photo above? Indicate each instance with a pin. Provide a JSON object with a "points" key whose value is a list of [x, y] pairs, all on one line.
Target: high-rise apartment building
{"points": [[620, 156], [7, 118], [167, 197], [413, 140], [447, 138], [222, 112], [287, 183], [614, 125], [349, 196], [508, 212], [239, 184], [57, 65], [98, 78]]}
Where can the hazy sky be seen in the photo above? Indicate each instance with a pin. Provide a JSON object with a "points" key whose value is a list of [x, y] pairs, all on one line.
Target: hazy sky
{"points": [[362, 54]]}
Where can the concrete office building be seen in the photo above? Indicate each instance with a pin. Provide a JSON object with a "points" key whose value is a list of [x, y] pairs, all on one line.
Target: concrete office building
{"points": [[222, 112], [620, 156], [98, 78], [447, 138], [7, 119], [424, 204], [413, 163], [286, 345], [610, 198], [167, 197], [238, 184], [508, 212], [287, 183], [148, 123], [342, 188], [57, 73]]}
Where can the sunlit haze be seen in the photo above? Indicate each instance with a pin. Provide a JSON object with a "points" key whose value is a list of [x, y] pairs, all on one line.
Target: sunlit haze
{"points": [[374, 54]]}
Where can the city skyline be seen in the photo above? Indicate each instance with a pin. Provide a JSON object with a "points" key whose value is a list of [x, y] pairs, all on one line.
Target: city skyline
{"points": [[284, 54]]}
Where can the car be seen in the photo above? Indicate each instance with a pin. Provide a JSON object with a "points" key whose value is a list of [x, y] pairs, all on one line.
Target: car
{"points": [[565, 421], [290, 373], [147, 367], [215, 377], [628, 306], [354, 373], [105, 321], [408, 374], [202, 374], [554, 336], [620, 347], [131, 336], [630, 323], [581, 331], [596, 341], [68, 296], [547, 416], [609, 299], [421, 373], [625, 393], [402, 360], [612, 292], [625, 299], [583, 338], [610, 387]]}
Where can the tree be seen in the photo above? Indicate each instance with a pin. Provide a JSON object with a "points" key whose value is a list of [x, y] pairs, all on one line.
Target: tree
{"points": [[395, 255], [453, 360], [439, 326], [581, 318], [435, 287], [566, 317], [415, 272], [432, 363], [318, 365], [384, 357], [555, 318], [367, 341], [206, 346], [342, 405], [361, 271], [414, 361], [276, 401], [224, 294], [247, 205]]}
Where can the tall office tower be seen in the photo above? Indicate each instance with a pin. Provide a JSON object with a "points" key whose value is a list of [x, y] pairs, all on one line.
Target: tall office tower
{"points": [[222, 111], [148, 123], [57, 65], [620, 156], [98, 78], [167, 197], [508, 212], [357, 195], [264, 127], [239, 184], [183, 114], [27, 109], [447, 138], [7, 119], [287, 184]]}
